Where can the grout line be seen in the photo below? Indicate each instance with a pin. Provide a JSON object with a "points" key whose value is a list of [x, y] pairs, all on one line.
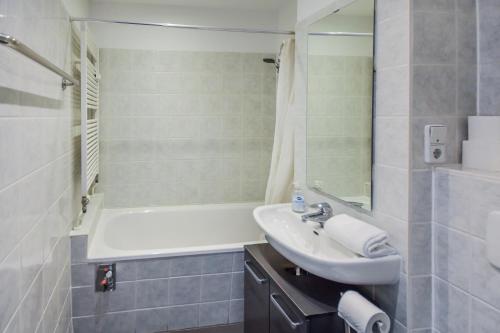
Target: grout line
{"points": [[31, 286], [460, 231], [154, 279], [31, 173], [158, 308], [35, 225], [52, 295]]}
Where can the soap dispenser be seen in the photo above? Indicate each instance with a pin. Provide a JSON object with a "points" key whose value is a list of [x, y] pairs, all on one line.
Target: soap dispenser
{"points": [[298, 200]]}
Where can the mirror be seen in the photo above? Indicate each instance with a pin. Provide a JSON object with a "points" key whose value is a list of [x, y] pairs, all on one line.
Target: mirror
{"points": [[340, 104]]}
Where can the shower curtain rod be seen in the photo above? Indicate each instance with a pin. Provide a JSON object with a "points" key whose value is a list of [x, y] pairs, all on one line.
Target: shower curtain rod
{"points": [[347, 34], [212, 28], [184, 26]]}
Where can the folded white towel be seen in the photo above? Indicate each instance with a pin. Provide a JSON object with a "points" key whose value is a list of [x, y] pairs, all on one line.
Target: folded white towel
{"points": [[358, 236]]}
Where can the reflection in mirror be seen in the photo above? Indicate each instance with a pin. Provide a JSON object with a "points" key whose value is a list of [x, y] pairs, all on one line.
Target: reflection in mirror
{"points": [[339, 106]]}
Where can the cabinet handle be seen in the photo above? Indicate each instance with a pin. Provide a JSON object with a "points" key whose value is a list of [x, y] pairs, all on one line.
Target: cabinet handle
{"points": [[257, 279], [293, 324]]}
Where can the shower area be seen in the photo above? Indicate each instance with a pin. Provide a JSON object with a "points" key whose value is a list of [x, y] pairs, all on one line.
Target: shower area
{"points": [[182, 127], [184, 116]]}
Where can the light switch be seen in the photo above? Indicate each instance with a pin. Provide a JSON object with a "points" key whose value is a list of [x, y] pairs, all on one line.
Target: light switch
{"points": [[435, 143], [437, 134]]}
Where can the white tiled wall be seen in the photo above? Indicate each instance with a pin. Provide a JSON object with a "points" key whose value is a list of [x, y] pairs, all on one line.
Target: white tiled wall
{"points": [[185, 127], [339, 123], [489, 55], [466, 295], [426, 73], [443, 92], [37, 168]]}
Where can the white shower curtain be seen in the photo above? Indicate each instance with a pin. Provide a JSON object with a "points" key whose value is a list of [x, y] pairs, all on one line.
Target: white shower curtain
{"points": [[280, 183]]}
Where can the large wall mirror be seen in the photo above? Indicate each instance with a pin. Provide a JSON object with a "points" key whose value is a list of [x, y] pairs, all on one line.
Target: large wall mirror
{"points": [[340, 104]]}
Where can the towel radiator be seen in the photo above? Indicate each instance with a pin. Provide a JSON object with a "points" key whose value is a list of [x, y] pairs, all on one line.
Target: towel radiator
{"points": [[89, 99]]}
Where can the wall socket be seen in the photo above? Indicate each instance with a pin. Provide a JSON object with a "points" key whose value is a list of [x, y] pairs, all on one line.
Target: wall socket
{"points": [[435, 140]]}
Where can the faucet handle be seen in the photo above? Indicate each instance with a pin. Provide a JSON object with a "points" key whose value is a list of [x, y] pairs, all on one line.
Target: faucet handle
{"points": [[324, 206]]}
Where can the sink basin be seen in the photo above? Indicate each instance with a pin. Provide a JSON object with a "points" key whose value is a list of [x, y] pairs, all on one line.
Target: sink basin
{"points": [[307, 246]]}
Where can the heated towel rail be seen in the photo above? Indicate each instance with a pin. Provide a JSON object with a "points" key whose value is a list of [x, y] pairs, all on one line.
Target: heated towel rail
{"points": [[89, 99], [16, 45]]}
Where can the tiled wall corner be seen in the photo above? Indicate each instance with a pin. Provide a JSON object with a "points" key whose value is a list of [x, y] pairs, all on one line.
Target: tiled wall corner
{"points": [[159, 294], [464, 281], [37, 171], [444, 68], [489, 52], [443, 92]]}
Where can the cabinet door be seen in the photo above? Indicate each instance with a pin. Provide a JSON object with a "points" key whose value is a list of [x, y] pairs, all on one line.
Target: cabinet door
{"points": [[256, 298], [284, 318]]}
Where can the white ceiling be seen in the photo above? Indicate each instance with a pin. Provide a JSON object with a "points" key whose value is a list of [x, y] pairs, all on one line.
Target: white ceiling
{"points": [[229, 4]]}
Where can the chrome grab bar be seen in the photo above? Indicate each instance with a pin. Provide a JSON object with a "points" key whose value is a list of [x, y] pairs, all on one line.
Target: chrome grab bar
{"points": [[16, 45], [293, 324], [257, 279]]}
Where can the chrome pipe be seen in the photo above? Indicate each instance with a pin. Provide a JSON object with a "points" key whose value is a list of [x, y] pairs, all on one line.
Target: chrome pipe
{"points": [[16, 45], [183, 26]]}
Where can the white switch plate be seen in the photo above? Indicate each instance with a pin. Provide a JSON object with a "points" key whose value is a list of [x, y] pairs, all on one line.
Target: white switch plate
{"points": [[492, 237], [435, 143]]}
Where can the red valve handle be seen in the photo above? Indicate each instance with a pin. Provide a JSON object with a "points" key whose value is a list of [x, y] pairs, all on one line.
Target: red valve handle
{"points": [[104, 282]]}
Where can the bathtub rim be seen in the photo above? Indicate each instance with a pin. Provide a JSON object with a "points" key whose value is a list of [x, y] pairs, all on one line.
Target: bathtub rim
{"points": [[178, 252], [111, 254], [90, 219]]}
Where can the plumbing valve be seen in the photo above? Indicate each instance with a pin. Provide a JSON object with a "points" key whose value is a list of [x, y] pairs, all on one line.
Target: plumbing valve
{"points": [[105, 278]]}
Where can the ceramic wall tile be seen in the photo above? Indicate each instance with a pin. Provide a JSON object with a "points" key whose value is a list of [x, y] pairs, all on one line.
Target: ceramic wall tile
{"points": [[463, 292], [37, 176], [187, 113]]}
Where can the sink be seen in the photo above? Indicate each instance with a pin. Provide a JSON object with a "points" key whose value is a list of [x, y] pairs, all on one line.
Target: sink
{"points": [[307, 246]]}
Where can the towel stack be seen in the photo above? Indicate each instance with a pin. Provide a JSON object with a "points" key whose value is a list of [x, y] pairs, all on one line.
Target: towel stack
{"points": [[358, 236]]}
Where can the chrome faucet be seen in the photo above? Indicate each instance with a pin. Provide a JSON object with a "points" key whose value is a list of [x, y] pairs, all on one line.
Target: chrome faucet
{"points": [[324, 213]]}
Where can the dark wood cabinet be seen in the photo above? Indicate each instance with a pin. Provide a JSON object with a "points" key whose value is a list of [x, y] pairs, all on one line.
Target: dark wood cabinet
{"points": [[256, 298], [277, 300], [284, 317]]}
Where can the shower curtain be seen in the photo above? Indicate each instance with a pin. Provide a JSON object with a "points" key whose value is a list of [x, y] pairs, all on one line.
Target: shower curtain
{"points": [[280, 182]]}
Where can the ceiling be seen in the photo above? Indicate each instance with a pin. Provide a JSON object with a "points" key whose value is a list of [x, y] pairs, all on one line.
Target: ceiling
{"points": [[229, 4]]}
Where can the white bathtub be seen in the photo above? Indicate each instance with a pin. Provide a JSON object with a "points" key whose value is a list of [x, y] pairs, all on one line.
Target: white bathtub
{"points": [[139, 233]]}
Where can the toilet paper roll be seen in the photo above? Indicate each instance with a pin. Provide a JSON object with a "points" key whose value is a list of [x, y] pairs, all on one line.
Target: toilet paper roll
{"points": [[361, 315]]}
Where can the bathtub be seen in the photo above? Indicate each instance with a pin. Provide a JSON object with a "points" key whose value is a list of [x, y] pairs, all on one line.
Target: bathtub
{"points": [[141, 233], [178, 254]]}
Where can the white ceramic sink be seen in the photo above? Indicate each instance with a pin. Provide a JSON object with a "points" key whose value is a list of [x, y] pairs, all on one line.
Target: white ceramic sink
{"points": [[307, 246]]}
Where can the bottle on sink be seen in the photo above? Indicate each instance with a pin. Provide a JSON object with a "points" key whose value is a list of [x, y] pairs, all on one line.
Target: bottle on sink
{"points": [[298, 200]]}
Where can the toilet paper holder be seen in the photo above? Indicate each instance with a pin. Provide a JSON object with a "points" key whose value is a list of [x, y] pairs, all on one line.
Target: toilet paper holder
{"points": [[347, 328]]}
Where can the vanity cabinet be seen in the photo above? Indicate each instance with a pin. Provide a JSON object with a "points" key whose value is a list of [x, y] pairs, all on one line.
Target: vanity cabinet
{"points": [[257, 287], [283, 316], [278, 300]]}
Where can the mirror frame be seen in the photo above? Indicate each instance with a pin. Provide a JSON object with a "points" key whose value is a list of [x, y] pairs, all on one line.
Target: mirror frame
{"points": [[304, 26]]}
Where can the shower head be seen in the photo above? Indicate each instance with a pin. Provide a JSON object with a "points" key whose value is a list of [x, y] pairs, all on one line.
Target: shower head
{"points": [[272, 61]]}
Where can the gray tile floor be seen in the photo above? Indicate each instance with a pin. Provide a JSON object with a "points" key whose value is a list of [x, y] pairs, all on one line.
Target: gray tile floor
{"points": [[235, 328]]}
